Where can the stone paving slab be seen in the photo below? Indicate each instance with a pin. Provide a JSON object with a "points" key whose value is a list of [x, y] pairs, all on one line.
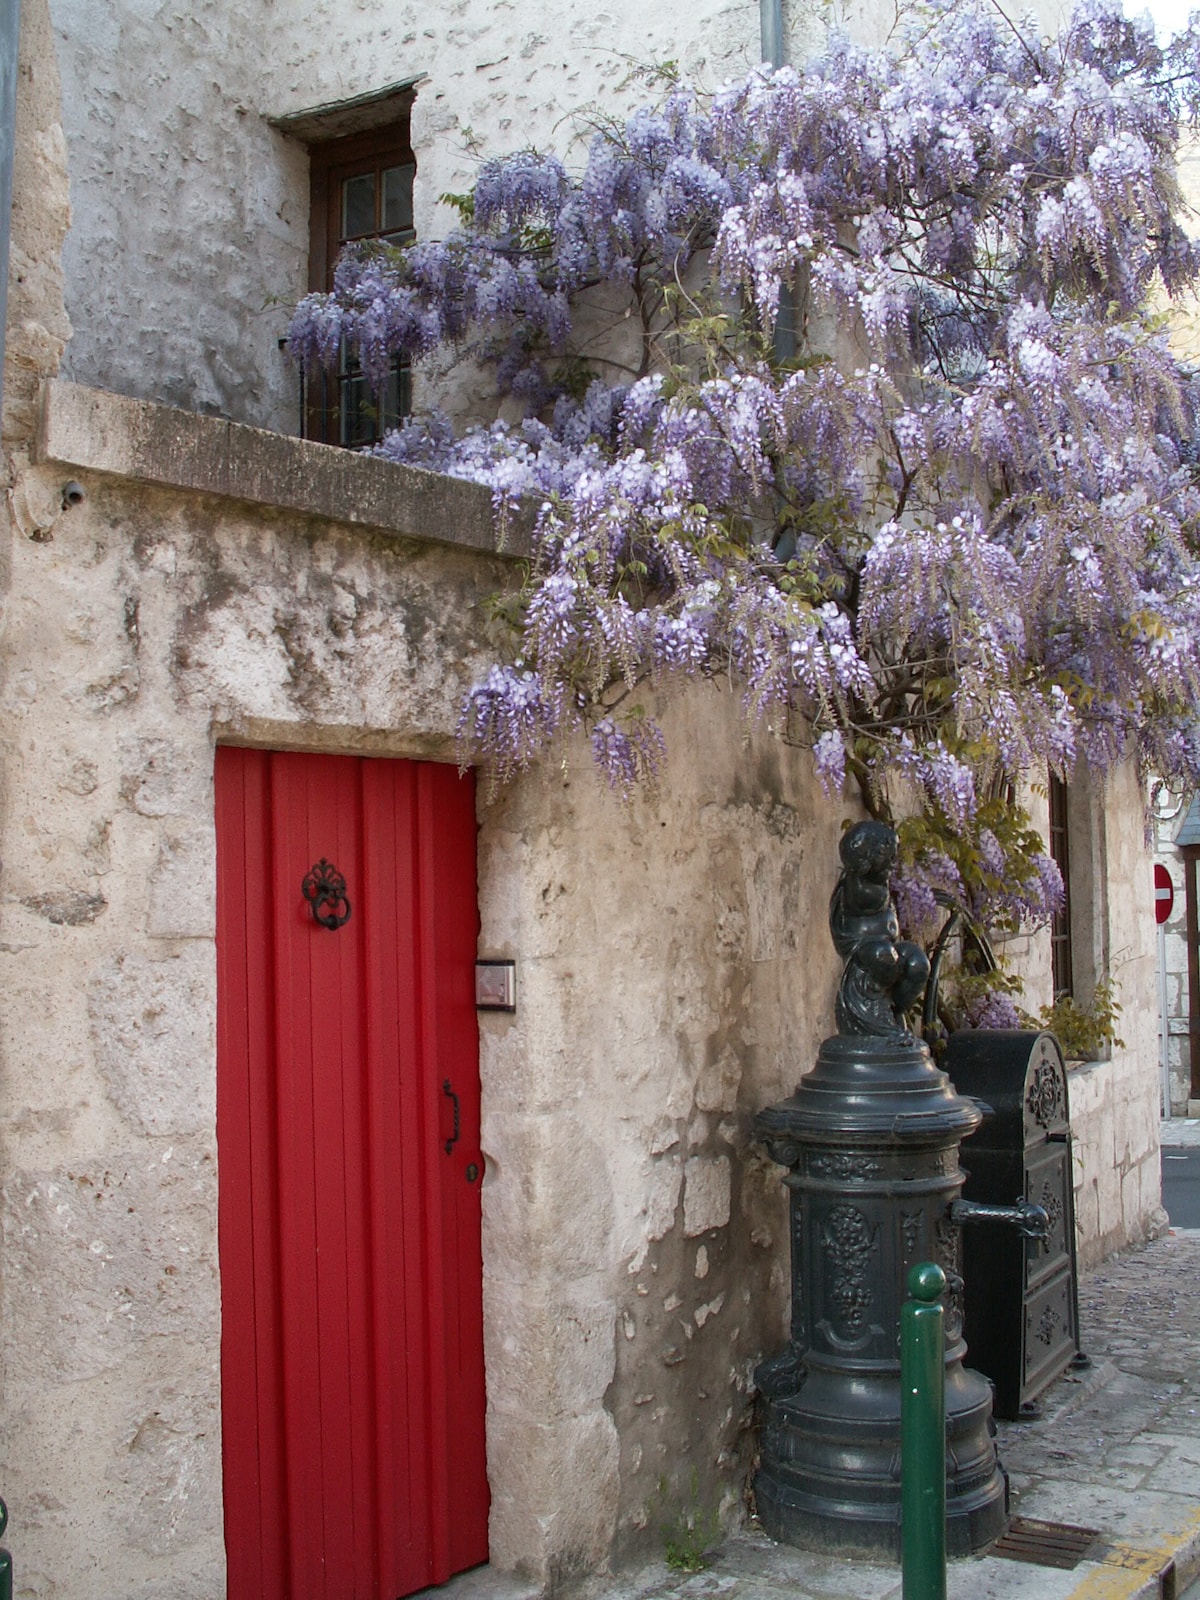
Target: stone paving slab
{"points": [[1179, 1133]]}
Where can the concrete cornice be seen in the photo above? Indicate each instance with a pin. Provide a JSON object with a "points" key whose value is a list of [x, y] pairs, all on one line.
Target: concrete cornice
{"points": [[92, 430]]}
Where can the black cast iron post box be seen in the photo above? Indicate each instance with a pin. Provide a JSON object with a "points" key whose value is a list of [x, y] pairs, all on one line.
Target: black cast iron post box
{"points": [[1021, 1312]]}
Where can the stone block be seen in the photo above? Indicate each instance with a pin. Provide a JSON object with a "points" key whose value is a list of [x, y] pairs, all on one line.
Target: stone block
{"points": [[665, 1180], [547, 1198], [555, 1494], [152, 1027], [162, 777], [550, 1349], [167, 1463], [706, 1194], [100, 1260], [719, 1080], [181, 904], [95, 431]]}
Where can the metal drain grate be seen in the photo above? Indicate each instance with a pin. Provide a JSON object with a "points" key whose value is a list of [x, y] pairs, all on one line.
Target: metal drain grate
{"points": [[1045, 1544]]}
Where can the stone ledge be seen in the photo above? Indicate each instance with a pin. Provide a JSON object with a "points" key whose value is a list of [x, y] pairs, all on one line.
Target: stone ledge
{"points": [[95, 431]]}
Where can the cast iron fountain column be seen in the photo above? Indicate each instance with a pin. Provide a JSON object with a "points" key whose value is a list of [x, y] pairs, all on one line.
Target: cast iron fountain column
{"points": [[870, 1142]]}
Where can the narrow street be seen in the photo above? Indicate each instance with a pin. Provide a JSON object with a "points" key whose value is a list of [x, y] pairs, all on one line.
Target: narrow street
{"points": [[1181, 1183]]}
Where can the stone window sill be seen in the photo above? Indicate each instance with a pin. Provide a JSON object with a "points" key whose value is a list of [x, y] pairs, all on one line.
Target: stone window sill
{"points": [[92, 430]]}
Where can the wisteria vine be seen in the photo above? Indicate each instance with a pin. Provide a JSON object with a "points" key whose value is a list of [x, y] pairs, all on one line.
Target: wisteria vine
{"points": [[846, 384]]}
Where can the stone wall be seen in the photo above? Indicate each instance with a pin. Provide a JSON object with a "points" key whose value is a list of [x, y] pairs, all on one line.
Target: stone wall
{"points": [[38, 328], [675, 974], [213, 583], [1173, 953], [189, 243], [1115, 1101]]}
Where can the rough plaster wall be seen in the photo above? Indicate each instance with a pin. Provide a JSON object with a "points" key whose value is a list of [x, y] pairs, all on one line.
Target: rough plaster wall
{"points": [[635, 1253], [508, 75], [130, 629], [675, 975], [38, 328], [189, 242], [190, 234], [1115, 1103], [1185, 340], [190, 214], [1175, 958], [505, 76]]}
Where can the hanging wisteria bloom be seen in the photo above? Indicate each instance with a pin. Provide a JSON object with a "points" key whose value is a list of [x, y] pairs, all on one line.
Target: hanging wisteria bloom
{"points": [[889, 432]]}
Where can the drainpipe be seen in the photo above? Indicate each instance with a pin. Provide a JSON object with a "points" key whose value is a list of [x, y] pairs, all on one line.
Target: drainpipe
{"points": [[10, 12], [784, 341], [771, 24], [771, 17]]}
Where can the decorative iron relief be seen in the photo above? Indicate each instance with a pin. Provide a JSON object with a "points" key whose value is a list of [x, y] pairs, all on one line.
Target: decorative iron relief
{"points": [[849, 1246], [939, 1164], [785, 1151], [1050, 1321], [798, 1253], [955, 1301], [325, 890], [843, 1166], [910, 1222], [947, 1242], [1051, 1204], [782, 1375], [1045, 1100]]}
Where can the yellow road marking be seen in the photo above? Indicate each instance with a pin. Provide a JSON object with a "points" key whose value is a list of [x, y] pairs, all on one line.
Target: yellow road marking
{"points": [[1125, 1568]]}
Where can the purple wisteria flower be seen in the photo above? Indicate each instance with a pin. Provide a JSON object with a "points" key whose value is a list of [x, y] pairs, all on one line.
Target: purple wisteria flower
{"points": [[955, 522]]}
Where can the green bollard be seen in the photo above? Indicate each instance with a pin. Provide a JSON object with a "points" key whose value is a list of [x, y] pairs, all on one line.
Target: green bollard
{"points": [[923, 1436], [6, 1566]]}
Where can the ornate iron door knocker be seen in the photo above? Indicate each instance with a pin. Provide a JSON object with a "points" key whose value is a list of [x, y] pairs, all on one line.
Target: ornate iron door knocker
{"points": [[325, 890]]}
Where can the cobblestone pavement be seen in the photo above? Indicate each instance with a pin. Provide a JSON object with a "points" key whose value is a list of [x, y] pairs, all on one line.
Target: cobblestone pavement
{"points": [[1118, 1451]]}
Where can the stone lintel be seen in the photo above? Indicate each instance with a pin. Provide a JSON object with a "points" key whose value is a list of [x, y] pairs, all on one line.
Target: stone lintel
{"points": [[380, 108], [95, 431]]}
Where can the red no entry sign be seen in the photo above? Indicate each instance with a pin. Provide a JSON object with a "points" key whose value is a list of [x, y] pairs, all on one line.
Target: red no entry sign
{"points": [[1164, 894]]}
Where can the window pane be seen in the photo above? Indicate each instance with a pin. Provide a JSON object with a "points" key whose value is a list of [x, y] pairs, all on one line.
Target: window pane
{"points": [[397, 398], [389, 403], [359, 415], [397, 199], [358, 206]]}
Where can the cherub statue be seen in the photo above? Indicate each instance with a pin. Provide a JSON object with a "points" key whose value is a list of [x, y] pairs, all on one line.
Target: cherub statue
{"points": [[884, 973]]}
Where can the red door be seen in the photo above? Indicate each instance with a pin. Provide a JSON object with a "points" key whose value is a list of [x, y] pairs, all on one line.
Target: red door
{"points": [[348, 1138]]}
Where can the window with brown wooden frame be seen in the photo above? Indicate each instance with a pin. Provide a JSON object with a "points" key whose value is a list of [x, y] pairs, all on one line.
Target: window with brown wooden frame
{"points": [[1061, 963], [361, 190]]}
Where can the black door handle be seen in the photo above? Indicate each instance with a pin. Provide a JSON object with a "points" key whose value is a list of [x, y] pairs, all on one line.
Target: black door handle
{"points": [[453, 1140]]}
